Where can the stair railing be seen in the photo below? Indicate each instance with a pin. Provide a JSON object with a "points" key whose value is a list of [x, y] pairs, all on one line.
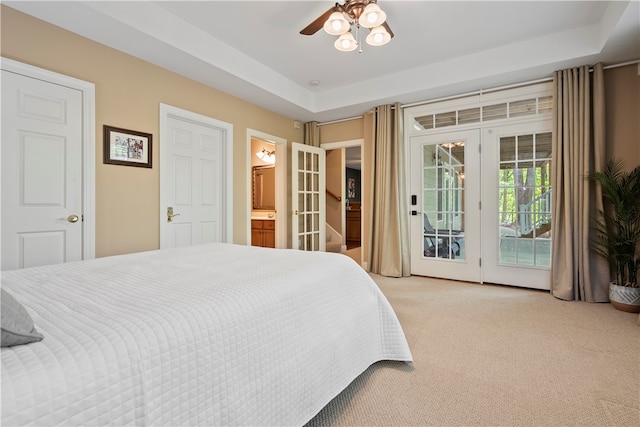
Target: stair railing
{"points": [[535, 213]]}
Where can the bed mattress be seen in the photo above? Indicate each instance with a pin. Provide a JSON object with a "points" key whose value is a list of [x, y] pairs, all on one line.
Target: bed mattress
{"points": [[214, 334]]}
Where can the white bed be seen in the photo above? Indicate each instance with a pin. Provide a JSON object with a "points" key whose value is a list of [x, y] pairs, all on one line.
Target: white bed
{"points": [[215, 334]]}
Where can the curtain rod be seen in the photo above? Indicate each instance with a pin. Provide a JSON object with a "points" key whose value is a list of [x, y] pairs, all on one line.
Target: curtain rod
{"points": [[340, 120], [622, 64], [481, 91], [512, 86]]}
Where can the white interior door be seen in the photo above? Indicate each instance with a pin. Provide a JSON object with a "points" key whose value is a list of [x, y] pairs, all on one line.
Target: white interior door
{"points": [[445, 192], [42, 151], [308, 196], [195, 184]]}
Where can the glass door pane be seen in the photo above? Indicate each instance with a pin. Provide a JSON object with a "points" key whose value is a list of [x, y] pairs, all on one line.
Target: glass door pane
{"points": [[524, 203], [442, 198]]}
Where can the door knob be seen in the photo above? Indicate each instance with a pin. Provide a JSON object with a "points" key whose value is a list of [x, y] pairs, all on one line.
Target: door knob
{"points": [[73, 218], [170, 214]]}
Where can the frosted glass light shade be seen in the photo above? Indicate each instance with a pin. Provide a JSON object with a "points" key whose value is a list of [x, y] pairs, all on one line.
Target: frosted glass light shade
{"points": [[378, 36], [336, 24], [372, 16], [346, 43], [267, 156]]}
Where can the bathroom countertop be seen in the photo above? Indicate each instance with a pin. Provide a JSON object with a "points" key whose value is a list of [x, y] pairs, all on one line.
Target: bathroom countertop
{"points": [[267, 216]]}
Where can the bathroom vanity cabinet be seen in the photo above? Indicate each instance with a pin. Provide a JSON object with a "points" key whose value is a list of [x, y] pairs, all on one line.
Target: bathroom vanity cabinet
{"points": [[263, 233]]}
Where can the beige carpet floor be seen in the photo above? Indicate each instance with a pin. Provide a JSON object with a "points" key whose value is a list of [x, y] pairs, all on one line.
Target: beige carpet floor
{"points": [[355, 254], [489, 355]]}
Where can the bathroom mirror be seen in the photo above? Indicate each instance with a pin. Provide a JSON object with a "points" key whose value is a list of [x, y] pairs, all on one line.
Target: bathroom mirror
{"points": [[264, 187]]}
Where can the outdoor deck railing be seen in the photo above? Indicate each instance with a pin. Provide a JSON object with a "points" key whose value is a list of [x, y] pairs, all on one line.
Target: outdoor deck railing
{"points": [[535, 213]]}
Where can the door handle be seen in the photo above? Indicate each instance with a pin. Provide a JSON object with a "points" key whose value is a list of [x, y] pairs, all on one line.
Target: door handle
{"points": [[73, 218], [170, 214]]}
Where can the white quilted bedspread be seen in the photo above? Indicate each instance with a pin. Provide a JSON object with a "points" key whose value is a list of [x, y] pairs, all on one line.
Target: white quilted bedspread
{"points": [[216, 334]]}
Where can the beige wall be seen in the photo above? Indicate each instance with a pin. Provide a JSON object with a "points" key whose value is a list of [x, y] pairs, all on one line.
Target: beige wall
{"points": [[622, 98], [128, 94], [342, 131]]}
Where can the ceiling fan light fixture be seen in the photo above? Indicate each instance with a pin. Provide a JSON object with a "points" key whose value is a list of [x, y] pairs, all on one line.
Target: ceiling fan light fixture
{"points": [[378, 36], [336, 24], [346, 42], [372, 16], [348, 20]]}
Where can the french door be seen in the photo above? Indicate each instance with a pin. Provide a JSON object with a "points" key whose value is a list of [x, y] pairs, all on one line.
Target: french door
{"points": [[516, 218], [445, 205], [481, 212], [308, 196]]}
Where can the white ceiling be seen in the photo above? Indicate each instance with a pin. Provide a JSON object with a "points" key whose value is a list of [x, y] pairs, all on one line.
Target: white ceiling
{"points": [[253, 49]]}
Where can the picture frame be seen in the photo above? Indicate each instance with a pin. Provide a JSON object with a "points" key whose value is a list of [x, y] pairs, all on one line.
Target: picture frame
{"points": [[127, 147]]}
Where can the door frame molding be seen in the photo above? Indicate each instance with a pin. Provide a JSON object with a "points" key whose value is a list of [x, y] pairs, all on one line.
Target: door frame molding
{"points": [[282, 190], [349, 144], [87, 89], [167, 111]]}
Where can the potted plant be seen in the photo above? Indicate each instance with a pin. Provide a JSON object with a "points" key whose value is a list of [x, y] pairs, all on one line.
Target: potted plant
{"points": [[617, 228]]}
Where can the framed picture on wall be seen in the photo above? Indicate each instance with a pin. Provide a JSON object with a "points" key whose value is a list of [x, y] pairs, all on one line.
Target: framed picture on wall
{"points": [[127, 147], [352, 188]]}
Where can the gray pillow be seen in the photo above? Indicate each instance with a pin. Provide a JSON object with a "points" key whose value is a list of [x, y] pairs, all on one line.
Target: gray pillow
{"points": [[17, 325]]}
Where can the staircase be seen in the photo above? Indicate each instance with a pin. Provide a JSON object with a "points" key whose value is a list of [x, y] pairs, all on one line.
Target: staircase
{"points": [[334, 240]]}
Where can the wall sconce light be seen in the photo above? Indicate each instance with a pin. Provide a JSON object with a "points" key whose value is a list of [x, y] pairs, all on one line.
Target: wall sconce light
{"points": [[266, 155]]}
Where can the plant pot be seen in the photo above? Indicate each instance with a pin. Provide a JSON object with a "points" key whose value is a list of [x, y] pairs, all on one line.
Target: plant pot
{"points": [[625, 298]]}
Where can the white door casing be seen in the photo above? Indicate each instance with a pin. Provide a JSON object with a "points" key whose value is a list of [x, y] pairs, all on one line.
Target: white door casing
{"points": [[48, 139], [280, 183], [359, 143], [513, 187], [195, 178], [308, 185]]}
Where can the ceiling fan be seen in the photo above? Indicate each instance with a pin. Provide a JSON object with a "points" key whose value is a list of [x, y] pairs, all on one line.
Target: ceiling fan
{"points": [[339, 19]]}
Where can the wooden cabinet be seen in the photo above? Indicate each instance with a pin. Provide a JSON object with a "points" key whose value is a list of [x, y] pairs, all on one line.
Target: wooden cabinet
{"points": [[353, 228], [263, 233]]}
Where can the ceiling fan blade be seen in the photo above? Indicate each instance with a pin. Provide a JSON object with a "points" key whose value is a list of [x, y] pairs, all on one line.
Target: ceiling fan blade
{"points": [[386, 26], [318, 23]]}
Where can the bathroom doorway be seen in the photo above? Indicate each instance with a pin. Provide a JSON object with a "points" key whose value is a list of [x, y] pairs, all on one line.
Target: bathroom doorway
{"points": [[266, 190]]}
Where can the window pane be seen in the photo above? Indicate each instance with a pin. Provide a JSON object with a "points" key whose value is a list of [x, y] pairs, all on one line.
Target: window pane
{"points": [[507, 149], [493, 112], [471, 115], [522, 108], [446, 119]]}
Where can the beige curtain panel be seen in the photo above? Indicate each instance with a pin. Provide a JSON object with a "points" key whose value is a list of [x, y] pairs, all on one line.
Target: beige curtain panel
{"points": [[312, 134], [389, 218], [578, 148]]}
